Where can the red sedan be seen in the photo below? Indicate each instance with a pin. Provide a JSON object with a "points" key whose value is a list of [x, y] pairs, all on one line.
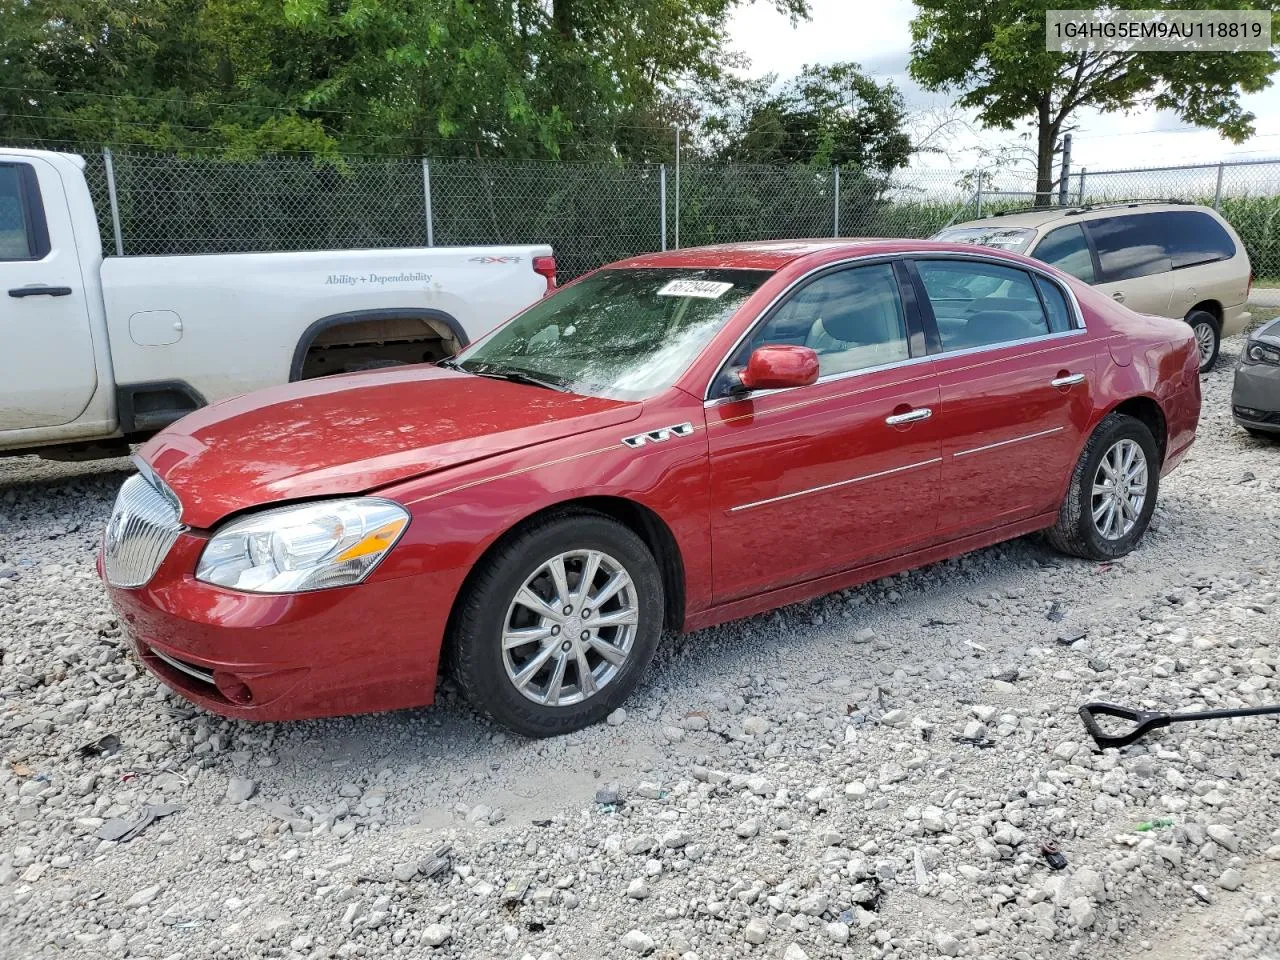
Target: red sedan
{"points": [[670, 442]]}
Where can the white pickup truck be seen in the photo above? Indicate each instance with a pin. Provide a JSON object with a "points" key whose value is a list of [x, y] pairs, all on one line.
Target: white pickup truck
{"points": [[97, 352]]}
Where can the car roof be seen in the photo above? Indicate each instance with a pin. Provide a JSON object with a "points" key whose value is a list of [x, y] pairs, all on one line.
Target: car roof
{"points": [[776, 254], [1038, 218]]}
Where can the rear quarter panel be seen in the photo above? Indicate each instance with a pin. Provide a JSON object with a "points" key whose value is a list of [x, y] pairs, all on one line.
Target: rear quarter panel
{"points": [[1149, 356], [243, 315]]}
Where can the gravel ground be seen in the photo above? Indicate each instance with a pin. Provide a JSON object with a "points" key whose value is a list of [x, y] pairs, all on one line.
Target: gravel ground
{"points": [[867, 775]]}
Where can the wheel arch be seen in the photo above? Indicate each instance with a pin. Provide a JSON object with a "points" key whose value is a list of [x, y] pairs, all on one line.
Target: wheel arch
{"points": [[1211, 307], [1147, 410], [641, 520], [354, 317]]}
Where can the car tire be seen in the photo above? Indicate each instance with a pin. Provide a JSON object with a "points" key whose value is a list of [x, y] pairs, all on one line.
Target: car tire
{"points": [[1208, 337], [502, 676], [1079, 530]]}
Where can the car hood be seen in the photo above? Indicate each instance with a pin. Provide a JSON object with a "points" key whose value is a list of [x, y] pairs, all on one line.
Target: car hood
{"points": [[355, 433]]}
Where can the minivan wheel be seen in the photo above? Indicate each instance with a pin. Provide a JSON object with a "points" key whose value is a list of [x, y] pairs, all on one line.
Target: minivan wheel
{"points": [[1113, 491], [557, 628], [1208, 337]]}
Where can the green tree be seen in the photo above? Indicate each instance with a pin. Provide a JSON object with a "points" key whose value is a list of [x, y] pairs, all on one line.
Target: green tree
{"points": [[994, 54], [483, 78], [826, 115]]}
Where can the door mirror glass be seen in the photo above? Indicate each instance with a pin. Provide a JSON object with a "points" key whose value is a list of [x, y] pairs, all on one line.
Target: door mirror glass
{"points": [[777, 366]]}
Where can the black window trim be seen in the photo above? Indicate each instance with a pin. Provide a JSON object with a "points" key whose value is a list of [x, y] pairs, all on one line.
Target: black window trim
{"points": [[33, 216], [911, 310], [931, 322], [1088, 239]]}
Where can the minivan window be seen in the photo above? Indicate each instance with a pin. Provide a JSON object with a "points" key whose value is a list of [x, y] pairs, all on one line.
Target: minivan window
{"points": [[979, 304], [1129, 246], [15, 237], [1015, 239], [1192, 237], [1067, 249]]}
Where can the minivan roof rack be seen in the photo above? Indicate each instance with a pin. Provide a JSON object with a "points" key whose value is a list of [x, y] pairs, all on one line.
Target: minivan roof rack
{"points": [[1084, 208]]}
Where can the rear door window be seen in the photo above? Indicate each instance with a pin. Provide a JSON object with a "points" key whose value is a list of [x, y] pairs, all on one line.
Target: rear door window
{"points": [[1067, 249], [16, 239], [978, 304], [1129, 246]]}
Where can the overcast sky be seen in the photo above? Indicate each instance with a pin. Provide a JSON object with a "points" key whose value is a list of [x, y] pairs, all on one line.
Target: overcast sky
{"points": [[876, 35]]}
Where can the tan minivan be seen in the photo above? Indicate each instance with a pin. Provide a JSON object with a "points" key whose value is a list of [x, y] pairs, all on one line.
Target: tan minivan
{"points": [[1167, 258]]}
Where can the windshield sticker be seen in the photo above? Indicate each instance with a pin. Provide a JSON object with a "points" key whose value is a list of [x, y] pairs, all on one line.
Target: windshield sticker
{"points": [[706, 289]]}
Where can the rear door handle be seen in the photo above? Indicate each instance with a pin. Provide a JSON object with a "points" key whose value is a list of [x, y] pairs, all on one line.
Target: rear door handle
{"points": [[911, 416], [1070, 380], [40, 292], [1118, 296]]}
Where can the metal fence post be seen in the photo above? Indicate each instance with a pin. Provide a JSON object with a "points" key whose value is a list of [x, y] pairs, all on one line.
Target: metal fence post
{"points": [[426, 201], [1217, 191], [1066, 170], [111, 196], [835, 232], [662, 203], [1080, 195], [677, 238], [978, 194]]}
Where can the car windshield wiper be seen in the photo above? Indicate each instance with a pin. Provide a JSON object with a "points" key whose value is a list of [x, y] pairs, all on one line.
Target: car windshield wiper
{"points": [[512, 375], [449, 363]]}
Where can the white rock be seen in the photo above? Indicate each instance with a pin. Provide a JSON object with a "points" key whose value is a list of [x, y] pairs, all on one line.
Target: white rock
{"points": [[1082, 912], [1223, 836], [1088, 882], [794, 952], [637, 889], [747, 829], [638, 942], [1066, 750], [436, 934], [144, 896], [617, 718], [755, 726], [240, 789], [1231, 879], [757, 930], [932, 820], [947, 945], [837, 932]]}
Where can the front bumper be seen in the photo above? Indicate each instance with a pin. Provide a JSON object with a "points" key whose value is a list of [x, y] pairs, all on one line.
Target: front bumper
{"points": [[370, 647], [1255, 397]]}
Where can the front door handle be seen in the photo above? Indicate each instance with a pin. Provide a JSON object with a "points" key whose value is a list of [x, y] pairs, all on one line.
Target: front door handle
{"points": [[911, 416], [40, 292], [1118, 296], [1070, 380]]}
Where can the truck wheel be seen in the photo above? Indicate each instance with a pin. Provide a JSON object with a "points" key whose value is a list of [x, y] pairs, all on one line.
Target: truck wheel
{"points": [[1208, 337], [558, 626], [1112, 494]]}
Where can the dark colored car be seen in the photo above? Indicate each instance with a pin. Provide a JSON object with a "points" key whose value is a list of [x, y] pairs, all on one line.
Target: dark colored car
{"points": [[1255, 398]]}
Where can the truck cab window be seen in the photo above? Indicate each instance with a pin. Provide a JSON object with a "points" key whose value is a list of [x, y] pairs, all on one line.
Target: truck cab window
{"points": [[15, 232]]}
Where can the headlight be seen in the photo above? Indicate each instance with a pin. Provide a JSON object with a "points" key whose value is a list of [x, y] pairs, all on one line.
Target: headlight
{"points": [[307, 547], [1262, 353]]}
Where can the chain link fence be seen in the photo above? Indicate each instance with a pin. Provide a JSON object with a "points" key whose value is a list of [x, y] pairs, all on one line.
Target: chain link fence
{"points": [[594, 213]]}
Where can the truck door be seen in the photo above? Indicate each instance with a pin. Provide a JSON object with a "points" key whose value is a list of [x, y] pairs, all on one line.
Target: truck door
{"points": [[47, 371]]}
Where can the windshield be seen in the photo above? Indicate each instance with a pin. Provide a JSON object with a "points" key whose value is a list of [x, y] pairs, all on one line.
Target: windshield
{"points": [[621, 334], [1016, 239]]}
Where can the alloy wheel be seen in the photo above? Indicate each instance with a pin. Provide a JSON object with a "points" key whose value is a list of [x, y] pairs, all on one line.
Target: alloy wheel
{"points": [[570, 628], [1205, 340], [1119, 489]]}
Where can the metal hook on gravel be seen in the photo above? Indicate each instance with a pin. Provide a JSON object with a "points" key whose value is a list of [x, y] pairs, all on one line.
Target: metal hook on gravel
{"points": [[1147, 720]]}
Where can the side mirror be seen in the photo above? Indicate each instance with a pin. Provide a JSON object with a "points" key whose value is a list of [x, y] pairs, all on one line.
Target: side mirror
{"points": [[776, 366]]}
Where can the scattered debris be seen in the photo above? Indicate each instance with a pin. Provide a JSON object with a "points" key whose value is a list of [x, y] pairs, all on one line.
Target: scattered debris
{"points": [[103, 747], [1053, 855], [123, 831]]}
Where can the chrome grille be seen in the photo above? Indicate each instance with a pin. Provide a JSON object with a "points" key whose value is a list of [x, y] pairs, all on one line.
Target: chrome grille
{"points": [[142, 529]]}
